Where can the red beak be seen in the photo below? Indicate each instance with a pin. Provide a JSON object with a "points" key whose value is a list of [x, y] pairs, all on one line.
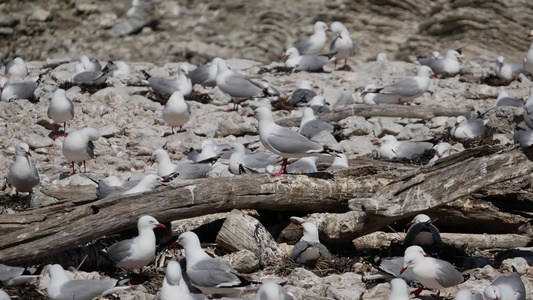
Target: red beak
{"points": [[376, 143], [456, 124], [529, 35], [285, 57], [161, 226], [150, 160], [174, 244], [327, 103], [28, 153], [316, 87], [427, 255], [410, 223], [434, 75], [403, 270], [250, 115], [439, 156], [188, 75], [329, 30]]}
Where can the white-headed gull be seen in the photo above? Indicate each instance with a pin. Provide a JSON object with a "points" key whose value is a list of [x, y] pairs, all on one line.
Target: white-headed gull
{"points": [[311, 126], [16, 67], [174, 286], [270, 290], [236, 85], [210, 275], [309, 63], [304, 165], [504, 99], [508, 71], [398, 290], [319, 105], [422, 232], [369, 97], [96, 77], [78, 146], [176, 111], [137, 252], [448, 64], [468, 128], [528, 61], [528, 110], [441, 150], [407, 89], [21, 90], [314, 44], [340, 162], [432, 273], [23, 175], [61, 287], [251, 161], [283, 141], [463, 295], [304, 93], [181, 83], [343, 46], [309, 248], [523, 137], [206, 75], [181, 171], [391, 148], [146, 184], [506, 288], [61, 110]]}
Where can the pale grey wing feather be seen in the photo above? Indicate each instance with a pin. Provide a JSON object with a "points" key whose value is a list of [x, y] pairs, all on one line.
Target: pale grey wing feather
{"points": [[163, 85], [242, 87], [200, 74], [85, 289], [477, 126], [103, 190], [516, 69], [312, 63], [24, 90], [287, 141], [508, 101], [312, 128], [424, 61], [297, 249], [447, 275], [260, 160], [322, 249], [407, 87], [303, 46], [212, 272], [302, 95], [192, 170], [393, 266], [436, 64], [86, 77], [286, 296], [120, 250], [9, 65], [406, 149], [90, 149], [8, 272]]}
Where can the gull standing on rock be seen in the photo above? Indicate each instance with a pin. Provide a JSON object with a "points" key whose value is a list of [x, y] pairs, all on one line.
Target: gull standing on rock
{"points": [[343, 46], [506, 288], [391, 148], [23, 175], [407, 89], [252, 161], [206, 75], [449, 64], [468, 128], [61, 110], [304, 93], [137, 252], [181, 83], [78, 146], [61, 287], [398, 290], [176, 111], [21, 90], [508, 71], [314, 44], [16, 67], [422, 232], [283, 141], [309, 63], [528, 61], [309, 248], [432, 273]]}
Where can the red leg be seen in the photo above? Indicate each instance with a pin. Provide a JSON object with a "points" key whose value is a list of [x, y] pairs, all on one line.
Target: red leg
{"points": [[283, 168], [84, 169], [400, 101], [56, 130], [73, 170], [64, 129]]}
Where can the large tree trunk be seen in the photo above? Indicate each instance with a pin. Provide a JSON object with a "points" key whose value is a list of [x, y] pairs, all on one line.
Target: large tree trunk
{"points": [[384, 191]]}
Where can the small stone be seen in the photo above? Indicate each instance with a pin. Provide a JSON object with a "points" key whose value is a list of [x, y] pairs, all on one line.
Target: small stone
{"points": [[39, 199]]}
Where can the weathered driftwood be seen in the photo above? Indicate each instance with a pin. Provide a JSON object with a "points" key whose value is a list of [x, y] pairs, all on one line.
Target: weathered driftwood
{"points": [[382, 192], [380, 239], [396, 111]]}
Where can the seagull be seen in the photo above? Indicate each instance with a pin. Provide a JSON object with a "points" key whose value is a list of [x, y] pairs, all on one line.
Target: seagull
{"points": [[309, 63], [407, 89], [205, 75], [270, 290], [376, 98], [304, 165], [398, 290], [314, 44], [166, 86], [528, 61], [311, 126], [391, 148], [508, 71], [340, 162], [251, 161], [528, 110], [137, 252], [174, 286], [16, 67], [61, 287], [236, 85], [523, 137], [96, 77], [432, 273], [506, 288], [61, 110], [21, 90], [148, 183], [304, 93], [210, 275], [468, 128], [505, 100], [309, 248], [441, 150], [342, 45], [23, 175], [181, 171], [283, 141], [78, 146], [422, 232], [449, 64], [176, 111]]}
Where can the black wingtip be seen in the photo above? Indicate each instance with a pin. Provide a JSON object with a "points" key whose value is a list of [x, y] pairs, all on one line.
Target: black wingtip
{"points": [[146, 75]]}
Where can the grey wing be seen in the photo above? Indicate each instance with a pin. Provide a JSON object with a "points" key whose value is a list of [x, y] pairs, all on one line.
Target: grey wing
{"points": [[286, 296], [302, 95], [90, 149], [312, 128], [394, 265], [477, 126], [323, 250], [9, 65], [86, 77], [303, 46], [297, 249], [436, 64], [508, 101], [24, 90], [285, 140], [517, 68], [118, 251], [85, 289], [192, 170], [311, 63], [212, 273], [200, 74], [424, 61], [407, 87], [260, 160], [242, 87], [103, 190], [8, 272], [163, 85], [447, 275], [408, 149]]}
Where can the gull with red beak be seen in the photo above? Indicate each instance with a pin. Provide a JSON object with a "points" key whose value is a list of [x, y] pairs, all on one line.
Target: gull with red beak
{"points": [[148, 183], [468, 128], [176, 111], [508, 71], [448, 64], [304, 93], [506, 288], [181, 171], [314, 44], [23, 175], [137, 252], [166, 86], [61, 110], [309, 248], [422, 232], [342, 45], [432, 273], [310, 63], [391, 148], [441, 150], [78, 146]]}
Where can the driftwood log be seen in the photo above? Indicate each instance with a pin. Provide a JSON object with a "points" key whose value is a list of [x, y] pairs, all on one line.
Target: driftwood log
{"points": [[383, 191]]}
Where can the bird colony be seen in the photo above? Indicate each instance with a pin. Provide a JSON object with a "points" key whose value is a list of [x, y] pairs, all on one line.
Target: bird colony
{"points": [[127, 128]]}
